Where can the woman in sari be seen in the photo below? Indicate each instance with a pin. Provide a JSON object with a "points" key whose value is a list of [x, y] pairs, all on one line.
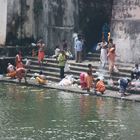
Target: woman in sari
{"points": [[89, 80], [111, 57], [20, 68], [41, 52], [18, 60]]}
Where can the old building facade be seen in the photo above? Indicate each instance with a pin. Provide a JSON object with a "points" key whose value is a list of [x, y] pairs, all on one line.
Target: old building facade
{"points": [[23, 22]]}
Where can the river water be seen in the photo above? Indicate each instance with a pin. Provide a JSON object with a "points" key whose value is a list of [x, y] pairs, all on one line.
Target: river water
{"points": [[30, 113]]}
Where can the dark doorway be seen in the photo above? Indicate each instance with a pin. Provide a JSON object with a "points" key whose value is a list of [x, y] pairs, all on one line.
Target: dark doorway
{"points": [[92, 16]]}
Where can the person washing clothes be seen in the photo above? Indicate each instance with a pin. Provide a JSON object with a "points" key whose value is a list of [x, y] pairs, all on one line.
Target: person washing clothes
{"points": [[99, 86], [41, 78], [11, 71], [123, 84]]}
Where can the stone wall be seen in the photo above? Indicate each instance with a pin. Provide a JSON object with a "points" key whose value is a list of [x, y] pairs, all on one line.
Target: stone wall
{"points": [[126, 30], [51, 20], [61, 19], [20, 22], [3, 21]]}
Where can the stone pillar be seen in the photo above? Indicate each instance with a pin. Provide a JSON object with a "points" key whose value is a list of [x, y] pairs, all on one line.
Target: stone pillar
{"points": [[3, 21], [59, 18], [125, 29]]}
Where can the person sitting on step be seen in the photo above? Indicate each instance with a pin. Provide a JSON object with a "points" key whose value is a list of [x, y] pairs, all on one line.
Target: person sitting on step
{"points": [[56, 52], [135, 74], [11, 72], [41, 78], [99, 86]]}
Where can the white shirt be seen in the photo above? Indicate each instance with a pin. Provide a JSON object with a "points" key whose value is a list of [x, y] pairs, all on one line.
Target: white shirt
{"points": [[78, 45]]}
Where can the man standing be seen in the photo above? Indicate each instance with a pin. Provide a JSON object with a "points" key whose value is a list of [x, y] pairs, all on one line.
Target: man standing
{"points": [[78, 48], [61, 62], [75, 38]]}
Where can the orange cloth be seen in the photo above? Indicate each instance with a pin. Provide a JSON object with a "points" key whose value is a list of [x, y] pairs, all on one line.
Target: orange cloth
{"points": [[19, 65], [11, 74], [40, 80], [111, 58], [41, 55], [100, 86], [41, 52], [20, 73], [89, 81], [18, 60]]}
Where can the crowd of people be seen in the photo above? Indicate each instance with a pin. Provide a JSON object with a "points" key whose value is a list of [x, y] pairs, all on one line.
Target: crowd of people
{"points": [[63, 53], [18, 71]]}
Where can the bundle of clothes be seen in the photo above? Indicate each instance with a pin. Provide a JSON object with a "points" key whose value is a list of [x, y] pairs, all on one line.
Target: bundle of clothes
{"points": [[67, 80]]}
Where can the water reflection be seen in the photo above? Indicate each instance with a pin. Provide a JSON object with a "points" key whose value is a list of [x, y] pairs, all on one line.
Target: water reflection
{"points": [[29, 113]]}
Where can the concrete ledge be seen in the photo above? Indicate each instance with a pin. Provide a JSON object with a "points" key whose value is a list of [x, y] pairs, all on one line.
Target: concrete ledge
{"points": [[75, 89]]}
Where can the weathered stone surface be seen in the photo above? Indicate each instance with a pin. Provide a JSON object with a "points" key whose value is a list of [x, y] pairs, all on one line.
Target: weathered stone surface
{"points": [[3, 21], [76, 90], [126, 30], [53, 20]]}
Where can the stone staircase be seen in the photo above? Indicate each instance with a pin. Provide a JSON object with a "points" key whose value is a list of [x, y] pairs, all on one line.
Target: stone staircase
{"points": [[51, 69]]}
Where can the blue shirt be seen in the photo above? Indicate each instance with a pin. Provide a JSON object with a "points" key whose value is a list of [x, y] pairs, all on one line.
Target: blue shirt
{"points": [[123, 83]]}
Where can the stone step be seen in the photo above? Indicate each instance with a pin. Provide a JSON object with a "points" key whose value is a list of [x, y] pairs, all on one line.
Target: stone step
{"points": [[114, 88], [53, 62], [84, 69], [50, 78], [94, 54], [78, 70], [51, 70], [76, 73], [79, 66], [55, 68], [93, 58], [44, 68]]}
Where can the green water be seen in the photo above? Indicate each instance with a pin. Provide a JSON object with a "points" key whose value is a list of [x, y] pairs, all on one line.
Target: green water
{"points": [[29, 113]]}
